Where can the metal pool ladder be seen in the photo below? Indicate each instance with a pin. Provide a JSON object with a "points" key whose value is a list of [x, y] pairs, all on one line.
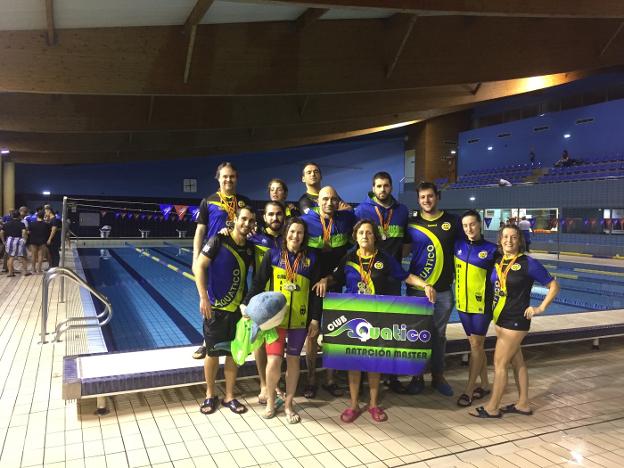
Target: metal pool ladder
{"points": [[99, 320]]}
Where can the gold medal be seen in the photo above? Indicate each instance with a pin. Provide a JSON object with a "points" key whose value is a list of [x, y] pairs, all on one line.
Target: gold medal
{"points": [[502, 274], [365, 275], [291, 271], [327, 228], [363, 288]]}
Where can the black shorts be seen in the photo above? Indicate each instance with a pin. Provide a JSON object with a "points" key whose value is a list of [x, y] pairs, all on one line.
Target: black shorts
{"points": [[220, 328], [518, 323]]}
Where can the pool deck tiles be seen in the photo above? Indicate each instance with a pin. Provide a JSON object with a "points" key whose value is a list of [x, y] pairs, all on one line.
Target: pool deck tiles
{"points": [[576, 393]]}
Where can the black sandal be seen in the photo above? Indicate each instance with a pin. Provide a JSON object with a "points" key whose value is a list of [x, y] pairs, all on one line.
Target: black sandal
{"points": [[309, 391], [513, 410], [479, 393], [482, 413], [235, 406], [333, 389], [209, 405], [464, 400], [394, 385]]}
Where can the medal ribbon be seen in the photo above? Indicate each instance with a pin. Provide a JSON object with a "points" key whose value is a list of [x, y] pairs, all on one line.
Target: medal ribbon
{"points": [[365, 275], [291, 270], [384, 223], [502, 275], [229, 205], [327, 229]]}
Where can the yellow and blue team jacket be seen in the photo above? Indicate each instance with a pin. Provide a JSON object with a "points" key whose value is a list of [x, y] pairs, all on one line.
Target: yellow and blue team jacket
{"points": [[303, 303], [474, 261]]}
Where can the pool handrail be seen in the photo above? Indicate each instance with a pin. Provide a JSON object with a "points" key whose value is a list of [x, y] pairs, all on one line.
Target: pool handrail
{"points": [[106, 313]]}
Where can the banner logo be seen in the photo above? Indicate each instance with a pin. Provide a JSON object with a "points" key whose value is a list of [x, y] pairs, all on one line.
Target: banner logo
{"points": [[361, 329]]}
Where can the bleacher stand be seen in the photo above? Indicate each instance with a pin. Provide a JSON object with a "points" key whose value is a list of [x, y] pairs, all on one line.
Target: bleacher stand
{"points": [[589, 170]]}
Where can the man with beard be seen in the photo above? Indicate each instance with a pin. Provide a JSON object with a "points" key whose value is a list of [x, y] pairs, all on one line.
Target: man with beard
{"points": [[227, 259], [266, 238]]}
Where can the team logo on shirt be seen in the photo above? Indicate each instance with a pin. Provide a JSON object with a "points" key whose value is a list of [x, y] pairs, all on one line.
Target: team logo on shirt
{"points": [[446, 226], [378, 265], [241, 203], [483, 254], [306, 263], [516, 266]]}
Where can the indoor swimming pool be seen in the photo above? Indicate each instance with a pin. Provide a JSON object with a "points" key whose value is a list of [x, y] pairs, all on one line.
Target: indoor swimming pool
{"points": [[156, 305]]}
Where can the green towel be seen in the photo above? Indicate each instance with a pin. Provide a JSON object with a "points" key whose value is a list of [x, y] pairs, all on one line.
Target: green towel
{"points": [[242, 346]]}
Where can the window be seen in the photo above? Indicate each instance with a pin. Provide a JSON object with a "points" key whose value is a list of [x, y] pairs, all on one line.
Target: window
{"points": [[190, 185]]}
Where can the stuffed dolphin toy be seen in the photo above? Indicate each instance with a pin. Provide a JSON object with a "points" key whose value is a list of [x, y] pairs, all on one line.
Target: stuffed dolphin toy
{"points": [[264, 312]]}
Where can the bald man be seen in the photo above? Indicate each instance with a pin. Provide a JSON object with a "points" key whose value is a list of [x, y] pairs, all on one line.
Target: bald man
{"points": [[329, 236]]}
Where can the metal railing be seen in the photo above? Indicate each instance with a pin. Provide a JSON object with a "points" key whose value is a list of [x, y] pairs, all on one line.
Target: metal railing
{"points": [[99, 320]]}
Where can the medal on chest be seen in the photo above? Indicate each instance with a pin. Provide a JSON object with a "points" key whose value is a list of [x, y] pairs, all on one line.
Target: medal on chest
{"points": [[291, 271], [327, 227], [384, 222], [365, 284]]}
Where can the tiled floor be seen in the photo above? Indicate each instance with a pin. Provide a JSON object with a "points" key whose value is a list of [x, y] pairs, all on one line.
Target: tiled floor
{"points": [[576, 393]]}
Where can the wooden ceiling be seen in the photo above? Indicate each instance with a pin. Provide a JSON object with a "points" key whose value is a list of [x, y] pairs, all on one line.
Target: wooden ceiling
{"points": [[98, 94]]}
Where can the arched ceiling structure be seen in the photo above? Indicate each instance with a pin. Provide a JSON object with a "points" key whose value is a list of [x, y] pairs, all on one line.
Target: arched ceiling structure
{"points": [[85, 81]]}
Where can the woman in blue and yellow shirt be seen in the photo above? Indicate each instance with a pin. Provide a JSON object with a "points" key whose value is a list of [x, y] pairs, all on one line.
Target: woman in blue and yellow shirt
{"points": [[513, 277], [474, 261], [291, 269]]}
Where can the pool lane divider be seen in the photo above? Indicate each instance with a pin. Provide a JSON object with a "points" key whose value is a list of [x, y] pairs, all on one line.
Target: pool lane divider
{"points": [[178, 247], [186, 274], [189, 331], [175, 259]]}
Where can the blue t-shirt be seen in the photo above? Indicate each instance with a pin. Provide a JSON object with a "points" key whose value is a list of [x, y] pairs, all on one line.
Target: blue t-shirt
{"points": [[229, 264], [516, 294]]}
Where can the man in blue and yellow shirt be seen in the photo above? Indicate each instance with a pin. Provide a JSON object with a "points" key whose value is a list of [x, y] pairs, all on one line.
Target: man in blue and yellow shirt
{"points": [[432, 234], [330, 233], [216, 212], [227, 259]]}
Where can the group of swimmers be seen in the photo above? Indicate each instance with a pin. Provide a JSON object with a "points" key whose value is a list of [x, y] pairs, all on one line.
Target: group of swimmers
{"points": [[322, 244]]}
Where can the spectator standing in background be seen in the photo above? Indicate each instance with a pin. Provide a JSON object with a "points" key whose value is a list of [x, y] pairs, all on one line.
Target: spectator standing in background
{"points": [[38, 235], [525, 227]]}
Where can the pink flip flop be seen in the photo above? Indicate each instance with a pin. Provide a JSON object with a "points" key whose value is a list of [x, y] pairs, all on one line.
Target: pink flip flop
{"points": [[349, 415], [378, 414]]}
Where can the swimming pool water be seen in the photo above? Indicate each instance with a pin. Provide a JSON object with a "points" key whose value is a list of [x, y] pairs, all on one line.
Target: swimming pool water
{"points": [[156, 305]]}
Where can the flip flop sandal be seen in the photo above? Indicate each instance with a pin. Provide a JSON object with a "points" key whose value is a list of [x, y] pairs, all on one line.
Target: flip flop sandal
{"points": [[333, 389], [378, 414], [235, 406], [293, 418], [464, 400], [480, 392], [511, 409], [349, 415], [269, 413], [309, 391], [482, 413], [209, 405]]}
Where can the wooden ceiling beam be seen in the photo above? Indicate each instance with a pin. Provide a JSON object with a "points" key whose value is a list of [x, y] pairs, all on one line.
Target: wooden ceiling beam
{"points": [[259, 59], [48, 114], [190, 29], [50, 31], [197, 14], [498, 8], [308, 17], [406, 28]]}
